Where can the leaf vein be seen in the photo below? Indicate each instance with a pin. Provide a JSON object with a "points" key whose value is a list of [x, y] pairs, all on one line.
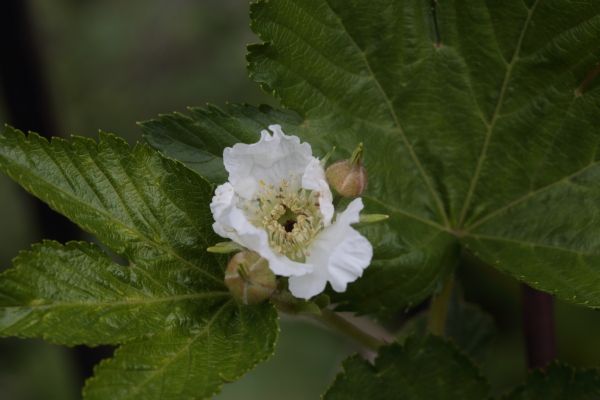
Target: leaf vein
{"points": [[394, 115], [521, 199], [495, 115], [126, 302], [174, 357]]}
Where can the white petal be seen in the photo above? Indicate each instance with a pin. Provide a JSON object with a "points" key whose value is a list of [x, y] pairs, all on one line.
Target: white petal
{"points": [[348, 260], [309, 285], [223, 200], [314, 179], [340, 253], [272, 159], [351, 214], [232, 223]]}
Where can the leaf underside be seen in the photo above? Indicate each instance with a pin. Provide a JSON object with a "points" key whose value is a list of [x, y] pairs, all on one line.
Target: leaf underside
{"points": [[169, 297], [481, 125], [423, 368]]}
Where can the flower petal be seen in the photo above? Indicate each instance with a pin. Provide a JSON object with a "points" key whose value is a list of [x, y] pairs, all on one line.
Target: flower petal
{"points": [[314, 179], [348, 260], [272, 159], [308, 285], [232, 223], [339, 255]]}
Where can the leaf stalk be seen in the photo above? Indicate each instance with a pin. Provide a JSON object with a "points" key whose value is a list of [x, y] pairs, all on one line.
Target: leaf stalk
{"points": [[438, 309], [342, 325]]}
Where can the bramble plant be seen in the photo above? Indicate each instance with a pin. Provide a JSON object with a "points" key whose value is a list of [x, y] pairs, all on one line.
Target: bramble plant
{"points": [[481, 124]]}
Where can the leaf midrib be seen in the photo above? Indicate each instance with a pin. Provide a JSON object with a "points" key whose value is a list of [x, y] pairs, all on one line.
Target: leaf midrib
{"points": [[425, 177], [174, 357], [125, 302], [495, 115], [392, 110], [531, 244]]}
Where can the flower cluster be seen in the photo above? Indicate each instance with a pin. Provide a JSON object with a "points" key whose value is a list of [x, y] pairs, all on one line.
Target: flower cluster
{"points": [[278, 203]]}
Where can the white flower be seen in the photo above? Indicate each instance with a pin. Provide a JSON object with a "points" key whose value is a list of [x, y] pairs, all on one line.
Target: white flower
{"points": [[277, 203]]}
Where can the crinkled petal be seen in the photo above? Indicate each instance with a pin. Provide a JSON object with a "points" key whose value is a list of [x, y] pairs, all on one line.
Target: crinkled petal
{"points": [[232, 223], [223, 200], [348, 260], [271, 160], [314, 179], [340, 254]]}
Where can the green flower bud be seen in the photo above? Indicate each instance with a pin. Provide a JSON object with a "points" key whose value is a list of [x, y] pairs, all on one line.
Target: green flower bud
{"points": [[249, 278], [348, 177]]}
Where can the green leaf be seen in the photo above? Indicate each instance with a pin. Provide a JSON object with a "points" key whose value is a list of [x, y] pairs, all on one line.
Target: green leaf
{"points": [[559, 382], [480, 118], [149, 210], [75, 294], [424, 368], [140, 205], [154, 213], [191, 365]]}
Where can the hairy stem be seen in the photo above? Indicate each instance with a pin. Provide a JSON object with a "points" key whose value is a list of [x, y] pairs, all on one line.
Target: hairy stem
{"points": [[438, 309], [538, 327], [340, 324]]}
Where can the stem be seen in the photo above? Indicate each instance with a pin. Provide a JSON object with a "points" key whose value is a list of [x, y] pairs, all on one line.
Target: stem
{"points": [[339, 323], [438, 309], [538, 327]]}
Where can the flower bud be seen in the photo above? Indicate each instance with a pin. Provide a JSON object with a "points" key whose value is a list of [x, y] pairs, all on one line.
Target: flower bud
{"points": [[249, 278], [348, 177]]}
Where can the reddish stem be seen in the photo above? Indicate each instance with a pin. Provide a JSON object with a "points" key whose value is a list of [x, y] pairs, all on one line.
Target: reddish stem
{"points": [[538, 327]]}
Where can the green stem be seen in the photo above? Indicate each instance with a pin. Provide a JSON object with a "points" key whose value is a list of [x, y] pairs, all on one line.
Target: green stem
{"points": [[438, 309], [337, 322]]}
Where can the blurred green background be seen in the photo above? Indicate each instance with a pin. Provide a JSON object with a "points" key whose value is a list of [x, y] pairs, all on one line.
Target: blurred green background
{"points": [[111, 63]]}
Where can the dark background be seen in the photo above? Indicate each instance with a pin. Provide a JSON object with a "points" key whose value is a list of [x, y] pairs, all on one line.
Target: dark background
{"points": [[107, 64]]}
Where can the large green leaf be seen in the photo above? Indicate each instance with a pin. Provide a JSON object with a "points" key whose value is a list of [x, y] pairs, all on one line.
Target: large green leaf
{"points": [[478, 117], [559, 382], [480, 121], [154, 213], [424, 368]]}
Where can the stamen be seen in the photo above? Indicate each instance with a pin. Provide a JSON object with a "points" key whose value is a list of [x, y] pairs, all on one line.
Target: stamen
{"points": [[291, 218]]}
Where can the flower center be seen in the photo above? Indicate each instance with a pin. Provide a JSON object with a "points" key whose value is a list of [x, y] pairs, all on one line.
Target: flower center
{"points": [[291, 218], [288, 219]]}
